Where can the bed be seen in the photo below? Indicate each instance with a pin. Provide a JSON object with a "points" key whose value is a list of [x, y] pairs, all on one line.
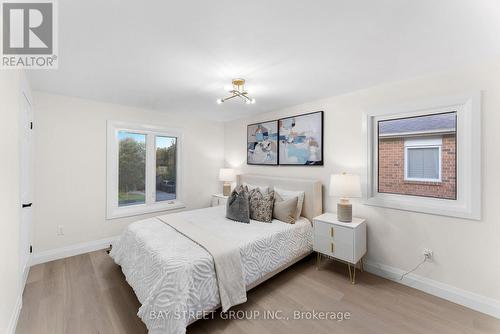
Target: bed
{"points": [[174, 278]]}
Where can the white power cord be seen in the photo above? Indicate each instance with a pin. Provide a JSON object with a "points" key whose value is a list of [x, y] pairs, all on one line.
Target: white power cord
{"points": [[416, 267]]}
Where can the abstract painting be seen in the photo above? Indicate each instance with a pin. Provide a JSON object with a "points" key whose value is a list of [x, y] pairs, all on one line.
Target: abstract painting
{"points": [[262, 143], [301, 140]]}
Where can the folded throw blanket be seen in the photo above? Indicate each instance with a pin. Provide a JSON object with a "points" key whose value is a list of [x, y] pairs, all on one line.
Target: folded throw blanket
{"points": [[226, 255]]}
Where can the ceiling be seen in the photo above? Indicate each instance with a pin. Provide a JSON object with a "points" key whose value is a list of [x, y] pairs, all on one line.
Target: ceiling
{"points": [[179, 55]]}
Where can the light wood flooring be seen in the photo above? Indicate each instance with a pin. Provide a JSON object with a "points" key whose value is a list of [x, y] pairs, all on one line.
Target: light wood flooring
{"points": [[88, 294]]}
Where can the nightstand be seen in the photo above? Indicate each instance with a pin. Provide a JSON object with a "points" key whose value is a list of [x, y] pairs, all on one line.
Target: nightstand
{"points": [[342, 241], [218, 199]]}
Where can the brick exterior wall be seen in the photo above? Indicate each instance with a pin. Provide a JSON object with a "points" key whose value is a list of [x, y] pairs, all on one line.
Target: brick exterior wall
{"points": [[391, 170]]}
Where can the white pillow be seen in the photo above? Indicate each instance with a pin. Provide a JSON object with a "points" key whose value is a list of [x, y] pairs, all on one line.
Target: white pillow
{"points": [[287, 194], [263, 189]]}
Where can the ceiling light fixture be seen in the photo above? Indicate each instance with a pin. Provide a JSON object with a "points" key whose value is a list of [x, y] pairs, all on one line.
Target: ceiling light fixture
{"points": [[238, 90]]}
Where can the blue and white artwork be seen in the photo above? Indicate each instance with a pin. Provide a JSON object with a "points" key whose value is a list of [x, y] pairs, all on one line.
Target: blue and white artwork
{"points": [[301, 139], [262, 147]]}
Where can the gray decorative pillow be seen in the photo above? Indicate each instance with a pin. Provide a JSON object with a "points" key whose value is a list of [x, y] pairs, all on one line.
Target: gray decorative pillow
{"points": [[237, 207], [261, 205], [284, 210]]}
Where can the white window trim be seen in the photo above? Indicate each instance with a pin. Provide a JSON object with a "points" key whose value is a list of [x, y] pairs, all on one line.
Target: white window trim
{"points": [[112, 209], [469, 180], [423, 143]]}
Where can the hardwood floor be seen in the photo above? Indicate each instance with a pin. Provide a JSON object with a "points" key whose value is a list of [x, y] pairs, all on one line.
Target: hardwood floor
{"points": [[88, 294]]}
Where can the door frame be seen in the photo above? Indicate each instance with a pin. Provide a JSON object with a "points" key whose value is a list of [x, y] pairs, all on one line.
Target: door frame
{"points": [[25, 241]]}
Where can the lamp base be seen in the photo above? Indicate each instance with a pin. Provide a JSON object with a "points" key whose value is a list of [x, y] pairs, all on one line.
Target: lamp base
{"points": [[226, 189], [344, 212]]}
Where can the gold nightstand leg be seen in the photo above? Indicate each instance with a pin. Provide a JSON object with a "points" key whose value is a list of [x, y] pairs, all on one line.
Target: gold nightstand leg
{"points": [[352, 276], [318, 260]]}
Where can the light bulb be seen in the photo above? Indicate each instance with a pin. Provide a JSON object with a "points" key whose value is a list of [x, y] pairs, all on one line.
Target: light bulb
{"points": [[219, 101], [253, 101]]}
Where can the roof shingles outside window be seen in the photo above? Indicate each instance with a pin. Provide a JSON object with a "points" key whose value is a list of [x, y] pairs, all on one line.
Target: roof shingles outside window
{"points": [[421, 125]]}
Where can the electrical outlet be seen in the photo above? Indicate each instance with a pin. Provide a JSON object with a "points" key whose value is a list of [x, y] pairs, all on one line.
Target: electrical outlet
{"points": [[428, 253], [60, 230]]}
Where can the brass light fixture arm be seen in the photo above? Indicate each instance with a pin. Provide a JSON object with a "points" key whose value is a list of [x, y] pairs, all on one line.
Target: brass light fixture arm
{"points": [[238, 91]]}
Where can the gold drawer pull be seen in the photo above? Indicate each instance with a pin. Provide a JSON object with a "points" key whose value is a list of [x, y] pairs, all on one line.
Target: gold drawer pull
{"points": [[331, 232], [332, 247]]}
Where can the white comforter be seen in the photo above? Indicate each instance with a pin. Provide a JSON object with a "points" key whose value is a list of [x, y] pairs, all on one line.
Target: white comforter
{"points": [[174, 278]]}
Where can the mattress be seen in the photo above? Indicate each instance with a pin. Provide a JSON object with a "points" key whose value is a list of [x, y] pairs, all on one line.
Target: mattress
{"points": [[174, 278]]}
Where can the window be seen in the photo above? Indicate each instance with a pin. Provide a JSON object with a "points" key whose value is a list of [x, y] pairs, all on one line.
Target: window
{"points": [[143, 170], [425, 158], [412, 159], [166, 168], [131, 168]]}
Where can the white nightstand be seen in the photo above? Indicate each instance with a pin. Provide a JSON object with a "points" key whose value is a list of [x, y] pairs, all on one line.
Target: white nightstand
{"points": [[218, 199], [342, 241]]}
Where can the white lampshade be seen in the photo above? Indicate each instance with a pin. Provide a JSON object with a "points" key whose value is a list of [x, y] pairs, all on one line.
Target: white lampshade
{"points": [[345, 185], [227, 175]]}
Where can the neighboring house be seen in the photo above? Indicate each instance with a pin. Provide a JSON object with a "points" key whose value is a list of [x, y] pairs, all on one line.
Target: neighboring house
{"points": [[417, 156]]}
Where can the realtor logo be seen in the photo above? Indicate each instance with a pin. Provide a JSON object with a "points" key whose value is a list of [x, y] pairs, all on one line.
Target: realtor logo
{"points": [[28, 34]]}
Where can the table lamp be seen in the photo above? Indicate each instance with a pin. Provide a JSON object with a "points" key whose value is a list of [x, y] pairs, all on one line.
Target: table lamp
{"points": [[227, 175], [345, 186]]}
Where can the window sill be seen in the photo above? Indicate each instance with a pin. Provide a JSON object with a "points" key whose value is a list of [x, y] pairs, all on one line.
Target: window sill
{"points": [[423, 182], [142, 209], [429, 205]]}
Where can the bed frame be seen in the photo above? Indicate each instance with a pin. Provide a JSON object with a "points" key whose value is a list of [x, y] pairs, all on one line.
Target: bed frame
{"points": [[313, 199], [312, 207]]}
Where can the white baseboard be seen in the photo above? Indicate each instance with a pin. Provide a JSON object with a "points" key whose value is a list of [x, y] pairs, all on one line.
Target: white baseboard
{"points": [[26, 271], [11, 329], [81, 248], [462, 297]]}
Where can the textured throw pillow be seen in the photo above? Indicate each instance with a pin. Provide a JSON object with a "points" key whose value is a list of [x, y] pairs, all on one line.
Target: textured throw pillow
{"points": [[250, 187], [287, 194], [285, 209], [261, 205], [237, 206]]}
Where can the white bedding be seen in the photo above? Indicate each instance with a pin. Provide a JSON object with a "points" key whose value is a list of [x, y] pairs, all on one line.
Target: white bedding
{"points": [[225, 254], [174, 278]]}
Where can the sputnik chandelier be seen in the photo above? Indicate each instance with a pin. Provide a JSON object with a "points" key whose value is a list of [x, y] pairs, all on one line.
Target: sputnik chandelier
{"points": [[238, 90]]}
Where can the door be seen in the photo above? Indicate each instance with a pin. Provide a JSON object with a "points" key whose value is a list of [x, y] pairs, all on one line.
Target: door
{"points": [[26, 142]]}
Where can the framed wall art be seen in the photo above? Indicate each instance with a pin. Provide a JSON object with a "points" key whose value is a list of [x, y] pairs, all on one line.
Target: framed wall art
{"points": [[262, 143], [301, 140]]}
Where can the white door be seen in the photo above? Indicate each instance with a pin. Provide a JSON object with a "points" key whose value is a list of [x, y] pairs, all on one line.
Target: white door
{"points": [[26, 142]]}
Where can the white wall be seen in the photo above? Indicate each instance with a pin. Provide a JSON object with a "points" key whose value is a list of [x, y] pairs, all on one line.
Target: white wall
{"points": [[10, 85], [70, 166], [466, 252]]}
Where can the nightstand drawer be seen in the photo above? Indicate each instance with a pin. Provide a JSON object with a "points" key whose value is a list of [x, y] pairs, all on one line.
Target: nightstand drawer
{"points": [[218, 200], [334, 232], [337, 249]]}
